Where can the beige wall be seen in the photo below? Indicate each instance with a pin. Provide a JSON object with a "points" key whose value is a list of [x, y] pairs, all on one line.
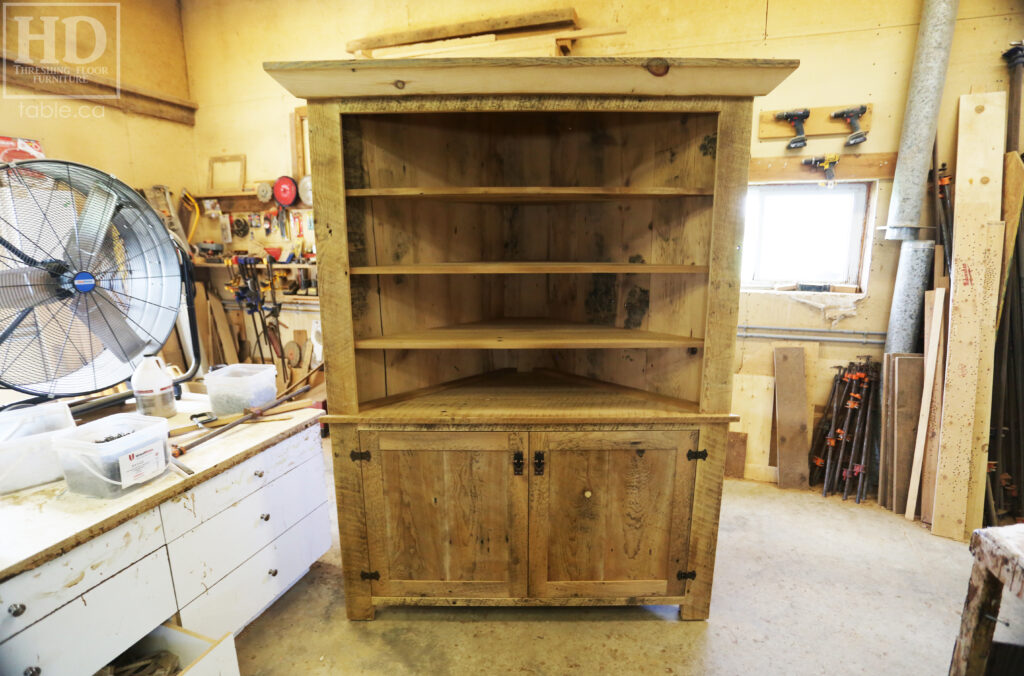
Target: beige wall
{"points": [[851, 52], [139, 150]]}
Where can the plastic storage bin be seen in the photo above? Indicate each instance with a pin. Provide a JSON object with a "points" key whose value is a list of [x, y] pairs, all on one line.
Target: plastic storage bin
{"points": [[237, 387], [108, 457], [27, 455]]}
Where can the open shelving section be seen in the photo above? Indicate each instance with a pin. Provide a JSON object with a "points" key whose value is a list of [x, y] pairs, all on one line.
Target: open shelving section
{"points": [[529, 271]]}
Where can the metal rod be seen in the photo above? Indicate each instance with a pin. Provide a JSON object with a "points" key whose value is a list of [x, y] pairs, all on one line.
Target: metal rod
{"points": [[815, 339], [793, 328]]}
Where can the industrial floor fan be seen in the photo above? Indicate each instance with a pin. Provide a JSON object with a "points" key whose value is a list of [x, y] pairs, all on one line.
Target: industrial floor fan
{"points": [[90, 280]]}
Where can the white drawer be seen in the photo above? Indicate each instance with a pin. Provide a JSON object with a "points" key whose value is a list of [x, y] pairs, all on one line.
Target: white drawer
{"points": [[38, 592], [207, 553], [197, 654], [191, 508], [237, 599], [87, 633]]}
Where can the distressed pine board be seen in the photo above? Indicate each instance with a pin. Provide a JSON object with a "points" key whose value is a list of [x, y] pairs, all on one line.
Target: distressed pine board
{"points": [[735, 455], [560, 76], [931, 447], [933, 304], [549, 18], [529, 194], [819, 123], [908, 377], [528, 268], [851, 167], [1013, 198], [752, 401], [791, 417], [977, 261]]}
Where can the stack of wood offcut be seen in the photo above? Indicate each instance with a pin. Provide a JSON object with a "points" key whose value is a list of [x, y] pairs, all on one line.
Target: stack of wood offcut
{"points": [[551, 32]]}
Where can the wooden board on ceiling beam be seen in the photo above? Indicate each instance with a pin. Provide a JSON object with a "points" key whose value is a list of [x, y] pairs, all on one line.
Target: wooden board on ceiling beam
{"points": [[818, 123], [977, 262], [563, 16], [851, 167]]}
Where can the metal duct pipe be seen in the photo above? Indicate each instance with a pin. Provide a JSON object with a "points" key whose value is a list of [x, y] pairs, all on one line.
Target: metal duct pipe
{"points": [[906, 315], [924, 94]]}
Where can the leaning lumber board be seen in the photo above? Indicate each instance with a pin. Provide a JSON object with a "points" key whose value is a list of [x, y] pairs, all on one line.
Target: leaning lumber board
{"points": [[203, 325], [908, 377], [1013, 196], [735, 454], [933, 303], [752, 399], [227, 339], [931, 448], [977, 261], [563, 16], [791, 416]]}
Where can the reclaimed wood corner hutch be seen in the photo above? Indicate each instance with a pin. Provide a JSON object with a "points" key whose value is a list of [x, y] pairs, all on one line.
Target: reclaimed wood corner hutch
{"points": [[529, 277]]}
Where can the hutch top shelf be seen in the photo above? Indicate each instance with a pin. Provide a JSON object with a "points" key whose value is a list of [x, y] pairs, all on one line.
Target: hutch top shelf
{"points": [[559, 76]]}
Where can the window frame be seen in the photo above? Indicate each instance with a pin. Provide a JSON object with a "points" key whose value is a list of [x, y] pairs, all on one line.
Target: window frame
{"points": [[860, 238]]}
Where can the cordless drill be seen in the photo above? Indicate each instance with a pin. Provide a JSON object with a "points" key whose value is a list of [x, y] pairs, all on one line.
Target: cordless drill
{"points": [[852, 117], [795, 118], [826, 163]]}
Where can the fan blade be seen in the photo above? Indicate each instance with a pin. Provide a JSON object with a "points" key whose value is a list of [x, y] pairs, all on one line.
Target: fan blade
{"points": [[93, 225], [26, 287], [108, 323]]}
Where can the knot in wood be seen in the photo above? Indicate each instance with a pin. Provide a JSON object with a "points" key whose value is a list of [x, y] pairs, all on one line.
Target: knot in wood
{"points": [[657, 67], [399, 84]]}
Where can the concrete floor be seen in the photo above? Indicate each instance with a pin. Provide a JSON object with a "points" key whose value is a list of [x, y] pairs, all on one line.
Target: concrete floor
{"points": [[802, 586]]}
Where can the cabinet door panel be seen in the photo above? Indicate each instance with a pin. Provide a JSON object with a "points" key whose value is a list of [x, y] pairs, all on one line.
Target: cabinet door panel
{"points": [[446, 514], [610, 515]]}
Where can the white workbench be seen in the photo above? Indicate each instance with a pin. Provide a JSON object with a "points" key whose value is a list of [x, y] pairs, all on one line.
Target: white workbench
{"points": [[82, 579]]}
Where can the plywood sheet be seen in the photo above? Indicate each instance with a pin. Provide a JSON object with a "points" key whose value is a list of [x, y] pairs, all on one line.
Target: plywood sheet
{"points": [[752, 399], [792, 424]]}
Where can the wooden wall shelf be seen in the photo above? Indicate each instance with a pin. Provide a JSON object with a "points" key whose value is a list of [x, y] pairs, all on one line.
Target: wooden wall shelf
{"points": [[525, 334], [527, 486], [528, 268], [527, 194]]}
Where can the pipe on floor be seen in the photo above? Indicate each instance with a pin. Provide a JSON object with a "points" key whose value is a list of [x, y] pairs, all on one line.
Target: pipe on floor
{"points": [[924, 94]]}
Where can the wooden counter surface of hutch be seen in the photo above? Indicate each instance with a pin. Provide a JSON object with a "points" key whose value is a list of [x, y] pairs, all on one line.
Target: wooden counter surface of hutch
{"points": [[529, 277]]}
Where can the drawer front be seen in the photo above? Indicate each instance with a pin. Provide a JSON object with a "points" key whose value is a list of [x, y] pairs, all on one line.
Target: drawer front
{"points": [[207, 553], [38, 592], [234, 601], [199, 655], [193, 507], [87, 633]]}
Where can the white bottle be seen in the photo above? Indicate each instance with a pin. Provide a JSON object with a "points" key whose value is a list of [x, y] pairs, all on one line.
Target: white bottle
{"points": [[154, 389]]}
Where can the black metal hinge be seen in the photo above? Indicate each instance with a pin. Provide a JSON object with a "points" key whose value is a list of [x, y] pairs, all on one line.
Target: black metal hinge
{"points": [[697, 455], [369, 575], [686, 575], [517, 463], [538, 463], [359, 455]]}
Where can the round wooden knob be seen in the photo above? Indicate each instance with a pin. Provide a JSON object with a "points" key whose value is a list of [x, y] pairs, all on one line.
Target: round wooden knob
{"points": [[587, 494], [16, 609], [273, 572], [259, 473], [265, 517]]}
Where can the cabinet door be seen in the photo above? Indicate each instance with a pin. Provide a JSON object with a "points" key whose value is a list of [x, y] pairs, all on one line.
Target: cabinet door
{"points": [[610, 513], [446, 513]]}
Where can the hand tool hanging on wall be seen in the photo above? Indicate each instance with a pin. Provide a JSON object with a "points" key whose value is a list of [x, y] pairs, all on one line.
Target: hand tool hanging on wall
{"points": [[796, 119], [827, 163], [852, 117]]}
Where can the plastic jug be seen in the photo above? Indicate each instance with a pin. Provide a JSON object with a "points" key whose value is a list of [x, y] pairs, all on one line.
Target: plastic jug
{"points": [[154, 389]]}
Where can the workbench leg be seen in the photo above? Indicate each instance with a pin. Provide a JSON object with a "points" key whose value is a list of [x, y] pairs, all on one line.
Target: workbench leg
{"points": [[977, 623]]}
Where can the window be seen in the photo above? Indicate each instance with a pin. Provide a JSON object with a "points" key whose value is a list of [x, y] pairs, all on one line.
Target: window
{"points": [[805, 234]]}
